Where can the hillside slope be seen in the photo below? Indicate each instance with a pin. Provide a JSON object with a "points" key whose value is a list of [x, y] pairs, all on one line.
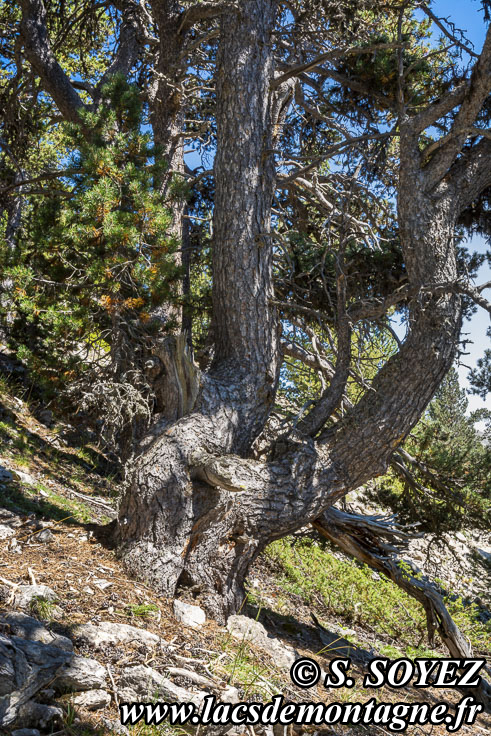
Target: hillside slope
{"points": [[53, 489]]}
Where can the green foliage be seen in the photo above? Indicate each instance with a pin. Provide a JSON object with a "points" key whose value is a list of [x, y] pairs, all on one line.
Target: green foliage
{"points": [[142, 610], [353, 593], [449, 486], [96, 256], [42, 608]]}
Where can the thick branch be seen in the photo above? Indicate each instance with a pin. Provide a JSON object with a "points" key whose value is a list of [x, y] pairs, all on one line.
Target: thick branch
{"points": [[204, 11], [360, 537], [479, 89], [333, 395], [441, 107], [38, 51], [128, 44]]}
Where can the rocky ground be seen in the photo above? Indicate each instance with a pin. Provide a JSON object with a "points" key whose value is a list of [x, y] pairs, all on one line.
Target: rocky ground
{"points": [[78, 637]]}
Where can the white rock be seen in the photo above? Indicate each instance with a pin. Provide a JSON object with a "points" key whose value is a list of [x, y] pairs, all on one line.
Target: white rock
{"points": [[92, 699], [189, 615], [99, 635], [242, 627], [101, 583], [6, 531], [25, 478], [44, 536], [81, 673], [144, 684], [24, 594], [115, 727]]}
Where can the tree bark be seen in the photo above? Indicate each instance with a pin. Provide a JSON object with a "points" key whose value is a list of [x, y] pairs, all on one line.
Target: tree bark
{"points": [[198, 509]]}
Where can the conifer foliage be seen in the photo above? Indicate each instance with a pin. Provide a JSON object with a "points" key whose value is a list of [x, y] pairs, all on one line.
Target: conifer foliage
{"points": [[95, 256]]}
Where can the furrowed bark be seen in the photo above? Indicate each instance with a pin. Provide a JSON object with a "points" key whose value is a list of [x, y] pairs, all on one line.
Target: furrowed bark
{"points": [[198, 510], [38, 51], [244, 321], [174, 525]]}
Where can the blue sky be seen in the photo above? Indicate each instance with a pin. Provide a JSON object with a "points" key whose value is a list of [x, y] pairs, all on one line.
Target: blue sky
{"points": [[467, 15]]}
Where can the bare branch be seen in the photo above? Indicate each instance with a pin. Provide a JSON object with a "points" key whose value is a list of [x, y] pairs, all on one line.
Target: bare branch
{"points": [[38, 50], [203, 11], [438, 22], [298, 69], [439, 108], [128, 44]]}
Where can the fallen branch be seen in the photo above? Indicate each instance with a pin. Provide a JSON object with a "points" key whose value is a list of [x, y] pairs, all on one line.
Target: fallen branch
{"points": [[362, 537]]}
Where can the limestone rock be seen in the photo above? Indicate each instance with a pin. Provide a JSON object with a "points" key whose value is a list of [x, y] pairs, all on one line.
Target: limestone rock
{"points": [[29, 480], [143, 684], [6, 531], [25, 668], [38, 714], [99, 635], [242, 627], [82, 673], [44, 536], [189, 615], [5, 475], [31, 629], [24, 595], [92, 699], [115, 727]]}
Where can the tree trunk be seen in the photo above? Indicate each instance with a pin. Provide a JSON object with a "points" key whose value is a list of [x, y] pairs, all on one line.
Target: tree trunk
{"points": [[167, 113], [198, 510]]}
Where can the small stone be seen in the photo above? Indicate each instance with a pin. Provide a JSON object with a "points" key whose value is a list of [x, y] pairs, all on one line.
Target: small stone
{"points": [[142, 684], [101, 583], [5, 475], [6, 531], [189, 615], [115, 727], [45, 536], [25, 594], [38, 714], [106, 632], [45, 416], [82, 673], [244, 628], [25, 478], [92, 699], [27, 627]]}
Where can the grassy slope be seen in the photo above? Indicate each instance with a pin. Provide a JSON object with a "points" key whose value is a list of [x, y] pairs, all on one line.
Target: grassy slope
{"points": [[294, 578]]}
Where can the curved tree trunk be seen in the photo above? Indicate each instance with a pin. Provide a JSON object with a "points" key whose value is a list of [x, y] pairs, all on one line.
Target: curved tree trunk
{"points": [[198, 509]]}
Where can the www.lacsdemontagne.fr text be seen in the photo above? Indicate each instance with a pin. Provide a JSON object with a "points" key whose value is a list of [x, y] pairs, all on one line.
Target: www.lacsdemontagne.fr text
{"points": [[396, 717]]}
